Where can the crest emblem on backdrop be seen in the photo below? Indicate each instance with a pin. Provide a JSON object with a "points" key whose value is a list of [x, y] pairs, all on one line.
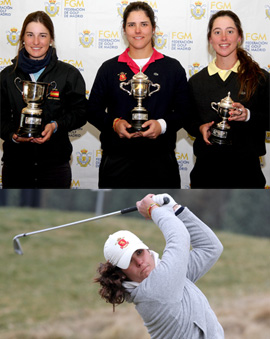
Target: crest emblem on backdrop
{"points": [[13, 36], [194, 68], [267, 137], [122, 7], [267, 11], [86, 39], [160, 40], [52, 8], [84, 158], [198, 10]]}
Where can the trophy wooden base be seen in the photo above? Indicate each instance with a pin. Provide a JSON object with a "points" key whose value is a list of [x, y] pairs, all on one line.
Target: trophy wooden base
{"points": [[30, 126], [220, 136], [139, 117]]}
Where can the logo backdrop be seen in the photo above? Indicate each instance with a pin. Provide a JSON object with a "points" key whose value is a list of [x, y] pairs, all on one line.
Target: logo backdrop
{"points": [[89, 32]]}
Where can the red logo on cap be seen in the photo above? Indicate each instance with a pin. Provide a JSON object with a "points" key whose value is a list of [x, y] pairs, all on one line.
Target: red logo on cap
{"points": [[122, 243]]}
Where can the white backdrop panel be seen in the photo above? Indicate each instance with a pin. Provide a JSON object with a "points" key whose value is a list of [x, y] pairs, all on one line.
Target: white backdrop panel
{"points": [[89, 32]]}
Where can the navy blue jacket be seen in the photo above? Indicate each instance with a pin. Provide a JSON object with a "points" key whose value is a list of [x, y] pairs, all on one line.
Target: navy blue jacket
{"points": [[107, 102], [68, 110]]}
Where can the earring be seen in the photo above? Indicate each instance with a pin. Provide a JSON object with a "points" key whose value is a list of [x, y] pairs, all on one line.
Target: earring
{"points": [[23, 43], [50, 44]]}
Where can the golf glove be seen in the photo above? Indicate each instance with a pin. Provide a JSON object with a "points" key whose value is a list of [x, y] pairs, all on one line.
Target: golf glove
{"points": [[159, 199]]}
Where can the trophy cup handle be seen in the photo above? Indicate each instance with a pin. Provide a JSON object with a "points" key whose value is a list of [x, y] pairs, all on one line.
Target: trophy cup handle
{"points": [[125, 84], [52, 84], [156, 90], [213, 104], [15, 82]]}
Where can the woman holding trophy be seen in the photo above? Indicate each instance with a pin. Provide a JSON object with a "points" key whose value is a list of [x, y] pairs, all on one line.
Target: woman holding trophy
{"points": [[36, 145], [228, 152], [138, 142]]}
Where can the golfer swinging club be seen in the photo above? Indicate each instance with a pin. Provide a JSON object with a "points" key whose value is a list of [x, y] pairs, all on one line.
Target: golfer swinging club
{"points": [[163, 290]]}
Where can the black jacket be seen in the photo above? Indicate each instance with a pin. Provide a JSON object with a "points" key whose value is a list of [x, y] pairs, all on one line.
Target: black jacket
{"points": [[68, 110], [107, 102], [248, 137]]}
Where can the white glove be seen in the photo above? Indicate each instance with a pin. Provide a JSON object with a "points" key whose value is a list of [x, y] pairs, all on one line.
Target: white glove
{"points": [[159, 199]]}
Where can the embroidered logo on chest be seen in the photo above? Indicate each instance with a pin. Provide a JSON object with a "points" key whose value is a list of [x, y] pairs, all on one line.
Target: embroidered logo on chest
{"points": [[122, 76]]}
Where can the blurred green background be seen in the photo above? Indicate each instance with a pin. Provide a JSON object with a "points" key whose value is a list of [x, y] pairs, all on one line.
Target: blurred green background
{"points": [[53, 281]]}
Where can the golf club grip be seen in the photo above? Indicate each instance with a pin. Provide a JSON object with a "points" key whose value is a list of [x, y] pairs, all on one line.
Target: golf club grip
{"points": [[129, 209], [134, 208]]}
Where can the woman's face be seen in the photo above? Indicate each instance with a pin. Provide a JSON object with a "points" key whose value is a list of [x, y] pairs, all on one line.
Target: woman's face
{"points": [[224, 36], [37, 40], [139, 30], [141, 264]]}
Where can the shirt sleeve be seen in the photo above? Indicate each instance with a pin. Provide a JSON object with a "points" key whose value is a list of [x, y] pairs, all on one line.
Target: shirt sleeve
{"points": [[206, 247], [166, 282]]}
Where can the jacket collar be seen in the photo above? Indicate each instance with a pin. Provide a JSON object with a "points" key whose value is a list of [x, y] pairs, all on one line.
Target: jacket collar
{"points": [[124, 57]]}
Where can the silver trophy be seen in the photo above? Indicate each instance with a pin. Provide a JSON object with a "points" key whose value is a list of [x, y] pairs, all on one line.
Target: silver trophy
{"points": [[221, 132], [140, 89], [34, 94]]}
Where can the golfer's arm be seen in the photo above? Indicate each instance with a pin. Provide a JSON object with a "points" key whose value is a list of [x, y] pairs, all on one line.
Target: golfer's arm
{"points": [[206, 247]]}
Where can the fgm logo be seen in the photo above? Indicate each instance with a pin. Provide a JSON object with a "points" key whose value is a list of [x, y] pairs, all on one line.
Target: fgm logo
{"points": [[6, 8], [84, 158], [256, 42], [160, 40], [198, 10], [86, 39], [13, 36], [52, 8], [121, 7], [195, 68]]}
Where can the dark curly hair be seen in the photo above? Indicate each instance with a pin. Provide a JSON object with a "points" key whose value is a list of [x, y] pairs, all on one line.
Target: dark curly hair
{"points": [[110, 279]]}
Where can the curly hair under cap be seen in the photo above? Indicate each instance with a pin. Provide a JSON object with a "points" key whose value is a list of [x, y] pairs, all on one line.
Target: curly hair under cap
{"points": [[110, 279]]}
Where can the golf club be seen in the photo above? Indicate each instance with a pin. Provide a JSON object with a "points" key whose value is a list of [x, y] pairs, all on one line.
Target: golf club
{"points": [[16, 243]]}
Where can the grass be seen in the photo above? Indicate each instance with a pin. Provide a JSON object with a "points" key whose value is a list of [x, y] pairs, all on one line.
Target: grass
{"points": [[54, 276]]}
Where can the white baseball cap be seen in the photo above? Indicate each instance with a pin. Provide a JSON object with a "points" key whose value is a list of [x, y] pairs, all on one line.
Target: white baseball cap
{"points": [[120, 246]]}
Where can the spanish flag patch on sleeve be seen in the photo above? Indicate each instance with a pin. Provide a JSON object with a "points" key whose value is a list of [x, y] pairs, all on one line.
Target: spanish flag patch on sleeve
{"points": [[54, 93]]}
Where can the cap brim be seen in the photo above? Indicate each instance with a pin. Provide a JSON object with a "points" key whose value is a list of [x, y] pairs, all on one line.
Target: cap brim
{"points": [[124, 261]]}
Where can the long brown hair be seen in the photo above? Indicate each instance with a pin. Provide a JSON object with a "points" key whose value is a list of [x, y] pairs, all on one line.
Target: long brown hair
{"points": [[249, 69], [38, 16], [140, 6], [110, 279]]}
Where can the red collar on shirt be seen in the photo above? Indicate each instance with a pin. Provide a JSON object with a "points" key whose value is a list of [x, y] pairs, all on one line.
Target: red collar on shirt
{"points": [[124, 57]]}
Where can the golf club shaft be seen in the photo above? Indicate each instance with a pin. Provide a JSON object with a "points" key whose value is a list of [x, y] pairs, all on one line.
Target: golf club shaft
{"points": [[17, 245], [123, 211]]}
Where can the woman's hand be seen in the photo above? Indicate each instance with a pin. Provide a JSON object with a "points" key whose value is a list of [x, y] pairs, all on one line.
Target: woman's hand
{"points": [[46, 134], [121, 127], [239, 113], [18, 139], [143, 205], [153, 131], [205, 130]]}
